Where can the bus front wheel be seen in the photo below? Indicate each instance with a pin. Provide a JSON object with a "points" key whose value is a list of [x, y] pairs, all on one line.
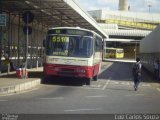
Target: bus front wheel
{"points": [[88, 81], [95, 78], [45, 79]]}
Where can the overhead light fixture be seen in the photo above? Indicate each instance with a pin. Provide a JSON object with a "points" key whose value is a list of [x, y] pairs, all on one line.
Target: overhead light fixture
{"points": [[48, 13], [42, 10], [35, 6], [27, 2]]}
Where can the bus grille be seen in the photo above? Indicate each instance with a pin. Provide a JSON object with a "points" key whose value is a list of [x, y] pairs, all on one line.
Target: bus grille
{"points": [[66, 72]]}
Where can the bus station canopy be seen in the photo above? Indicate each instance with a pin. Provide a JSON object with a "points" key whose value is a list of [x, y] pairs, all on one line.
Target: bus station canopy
{"points": [[53, 13], [122, 40]]}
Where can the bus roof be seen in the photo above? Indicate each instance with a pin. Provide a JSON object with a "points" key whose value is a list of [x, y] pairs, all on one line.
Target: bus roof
{"points": [[76, 28]]}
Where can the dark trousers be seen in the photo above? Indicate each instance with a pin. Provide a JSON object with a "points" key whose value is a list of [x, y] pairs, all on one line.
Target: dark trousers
{"points": [[156, 74], [137, 80]]}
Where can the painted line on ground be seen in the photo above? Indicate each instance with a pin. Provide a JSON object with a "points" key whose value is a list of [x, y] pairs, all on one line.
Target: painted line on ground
{"points": [[97, 86], [94, 86], [89, 88], [128, 83], [76, 110], [54, 98], [100, 96], [145, 85], [115, 82], [158, 89], [134, 95], [22, 92], [3, 100], [106, 84]]}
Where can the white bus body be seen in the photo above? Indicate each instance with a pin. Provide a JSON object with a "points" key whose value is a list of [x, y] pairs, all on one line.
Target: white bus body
{"points": [[73, 52]]}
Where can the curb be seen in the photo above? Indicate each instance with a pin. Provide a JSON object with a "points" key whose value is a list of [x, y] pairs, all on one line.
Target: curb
{"points": [[19, 87], [10, 73]]}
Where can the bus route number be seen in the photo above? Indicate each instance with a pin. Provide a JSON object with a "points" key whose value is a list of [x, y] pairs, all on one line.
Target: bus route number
{"points": [[60, 39]]}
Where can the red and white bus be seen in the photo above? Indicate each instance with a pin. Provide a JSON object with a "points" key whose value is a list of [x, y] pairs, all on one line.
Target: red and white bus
{"points": [[73, 52]]}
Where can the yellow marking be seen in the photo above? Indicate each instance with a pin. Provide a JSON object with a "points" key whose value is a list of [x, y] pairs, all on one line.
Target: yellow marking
{"points": [[132, 23]]}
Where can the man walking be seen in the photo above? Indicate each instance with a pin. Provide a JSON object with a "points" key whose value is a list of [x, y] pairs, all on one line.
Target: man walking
{"points": [[156, 69], [137, 73]]}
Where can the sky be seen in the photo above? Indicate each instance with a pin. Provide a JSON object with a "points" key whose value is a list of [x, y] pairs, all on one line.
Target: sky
{"points": [[135, 5]]}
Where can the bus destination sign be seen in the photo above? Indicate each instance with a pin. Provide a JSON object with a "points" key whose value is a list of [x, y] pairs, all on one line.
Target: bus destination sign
{"points": [[70, 32]]}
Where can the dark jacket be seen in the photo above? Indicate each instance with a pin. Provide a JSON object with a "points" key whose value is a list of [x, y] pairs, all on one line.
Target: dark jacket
{"points": [[137, 69]]}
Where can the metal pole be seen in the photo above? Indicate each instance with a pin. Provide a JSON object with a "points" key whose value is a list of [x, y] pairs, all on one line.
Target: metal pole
{"points": [[1, 41], [38, 31], [9, 39], [32, 48], [18, 47], [9, 34], [135, 50], [0, 49], [26, 62]]}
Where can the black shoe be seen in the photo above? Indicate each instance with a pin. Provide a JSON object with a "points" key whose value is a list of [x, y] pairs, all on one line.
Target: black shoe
{"points": [[135, 88]]}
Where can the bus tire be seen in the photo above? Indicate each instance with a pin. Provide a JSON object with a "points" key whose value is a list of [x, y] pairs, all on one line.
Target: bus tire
{"points": [[88, 81], [95, 78], [45, 79]]}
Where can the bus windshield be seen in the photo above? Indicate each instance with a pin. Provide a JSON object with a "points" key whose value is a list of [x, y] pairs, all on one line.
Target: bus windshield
{"points": [[72, 46]]}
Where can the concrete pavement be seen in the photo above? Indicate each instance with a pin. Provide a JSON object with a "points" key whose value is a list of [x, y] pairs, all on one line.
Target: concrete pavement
{"points": [[113, 93], [10, 83]]}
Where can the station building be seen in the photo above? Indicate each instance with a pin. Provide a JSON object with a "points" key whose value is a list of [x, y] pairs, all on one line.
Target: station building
{"points": [[126, 28]]}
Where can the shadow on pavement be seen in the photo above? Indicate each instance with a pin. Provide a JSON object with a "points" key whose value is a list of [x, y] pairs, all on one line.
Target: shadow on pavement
{"points": [[64, 81], [120, 89], [120, 71]]}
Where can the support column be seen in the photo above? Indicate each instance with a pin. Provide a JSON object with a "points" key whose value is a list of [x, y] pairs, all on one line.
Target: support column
{"points": [[135, 50], [41, 49], [1, 48], [26, 53], [9, 39], [32, 54], [37, 46], [1, 41], [18, 47]]}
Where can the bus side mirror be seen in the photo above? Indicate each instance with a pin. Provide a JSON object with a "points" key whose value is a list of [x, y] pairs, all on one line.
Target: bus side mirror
{"points": [[44, 43]]}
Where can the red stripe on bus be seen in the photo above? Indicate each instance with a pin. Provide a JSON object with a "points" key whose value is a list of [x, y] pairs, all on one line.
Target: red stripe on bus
{"points": [[72, 71]]}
